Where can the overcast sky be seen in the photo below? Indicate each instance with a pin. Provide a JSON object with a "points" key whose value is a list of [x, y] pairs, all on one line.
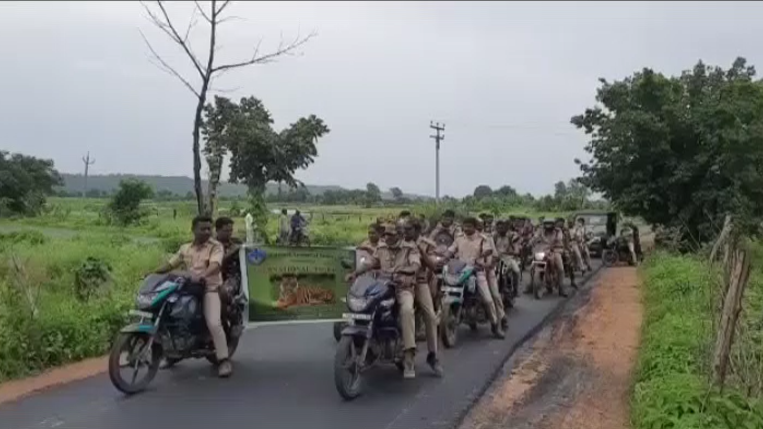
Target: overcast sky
{"points": [[505, 78]]}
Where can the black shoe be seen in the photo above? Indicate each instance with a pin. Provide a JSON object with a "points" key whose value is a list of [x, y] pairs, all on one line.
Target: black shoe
{"points": [[497, 332], [434, 363], [504, 323], [563, 293]]}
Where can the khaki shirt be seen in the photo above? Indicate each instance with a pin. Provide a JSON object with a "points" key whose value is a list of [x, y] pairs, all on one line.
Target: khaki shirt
{"points": [[197, 259], [554, 239], [391, 260], [469, 248], [426, 247], [579, 233], [362, 252], [489, 244], [453, 230], [506, 245]]}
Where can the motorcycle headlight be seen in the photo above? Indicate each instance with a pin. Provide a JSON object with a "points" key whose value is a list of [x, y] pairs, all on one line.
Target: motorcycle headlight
{"points": [[357, 304], [143, 300], [540, 256]]}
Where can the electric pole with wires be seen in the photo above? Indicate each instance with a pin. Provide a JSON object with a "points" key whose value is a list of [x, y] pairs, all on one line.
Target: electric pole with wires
{"points": [[88, 162], [438, 137]]}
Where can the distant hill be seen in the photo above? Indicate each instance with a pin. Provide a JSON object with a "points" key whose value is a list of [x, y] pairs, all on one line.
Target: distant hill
{"points": [[179, 185]]}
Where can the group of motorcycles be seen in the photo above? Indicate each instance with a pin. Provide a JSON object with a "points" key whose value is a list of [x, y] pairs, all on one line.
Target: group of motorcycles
{"points": [[170, 325], [370, 335]]}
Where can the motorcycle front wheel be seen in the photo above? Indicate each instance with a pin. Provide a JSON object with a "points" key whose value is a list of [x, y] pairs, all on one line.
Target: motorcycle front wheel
{"points": [[448, 327], [347, 375], [338, 327], [608, 257], [137, 357]]}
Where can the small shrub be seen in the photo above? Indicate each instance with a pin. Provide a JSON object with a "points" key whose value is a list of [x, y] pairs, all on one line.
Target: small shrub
{"points": [[91, 278]]}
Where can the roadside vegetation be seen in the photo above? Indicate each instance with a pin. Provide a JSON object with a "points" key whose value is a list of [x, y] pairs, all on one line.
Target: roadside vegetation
{"points": [[682, 152], [673, 381]]}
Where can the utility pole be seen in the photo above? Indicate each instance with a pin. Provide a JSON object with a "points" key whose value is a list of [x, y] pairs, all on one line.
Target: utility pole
{"points": [[88, 162], [438, 137]]}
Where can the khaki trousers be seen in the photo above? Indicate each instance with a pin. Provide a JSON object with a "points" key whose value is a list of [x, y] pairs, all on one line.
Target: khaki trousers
{"points": [[492, 282], [487, 298], [423, 300], [557, 264], [212, 309], [577, 256], [405, 300]]}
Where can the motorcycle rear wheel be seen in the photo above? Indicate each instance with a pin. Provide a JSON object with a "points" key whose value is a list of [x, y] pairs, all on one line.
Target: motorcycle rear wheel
{"points": [[347, 375], [127, 343]]}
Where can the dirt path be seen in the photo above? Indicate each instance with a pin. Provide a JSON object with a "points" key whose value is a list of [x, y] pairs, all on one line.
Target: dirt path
{"points": [[576, 375]]}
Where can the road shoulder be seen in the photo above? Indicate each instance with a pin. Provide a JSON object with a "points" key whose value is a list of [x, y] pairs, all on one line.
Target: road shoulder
{"points": [[577, 372]]}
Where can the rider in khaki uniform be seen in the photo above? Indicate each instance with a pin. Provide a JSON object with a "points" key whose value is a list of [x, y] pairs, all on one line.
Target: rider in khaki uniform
{"points": [[492, 280], [423, 289], [446, 224], [471, 248], [508, 248], [579, 235], [401, 261], [552, 239], [567, 253], [203, 259]]}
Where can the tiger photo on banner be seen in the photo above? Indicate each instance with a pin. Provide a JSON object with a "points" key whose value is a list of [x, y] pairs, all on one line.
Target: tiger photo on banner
{"points": [[297, 283]]}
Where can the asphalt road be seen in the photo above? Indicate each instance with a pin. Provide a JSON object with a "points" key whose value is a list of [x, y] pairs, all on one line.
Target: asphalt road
{"points": [[283, 378]]}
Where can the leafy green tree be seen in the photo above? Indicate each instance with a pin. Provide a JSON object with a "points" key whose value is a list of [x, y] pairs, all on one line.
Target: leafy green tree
{"points": [[25, 181], [397, 193], [679, 151], [258, 153], [482, 191], [373, 193], [124, 206]]}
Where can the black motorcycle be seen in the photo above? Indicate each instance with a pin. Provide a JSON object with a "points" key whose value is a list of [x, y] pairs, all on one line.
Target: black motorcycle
{"points": [[616, 251], [508, 284], [170, 326], [372, 337]]}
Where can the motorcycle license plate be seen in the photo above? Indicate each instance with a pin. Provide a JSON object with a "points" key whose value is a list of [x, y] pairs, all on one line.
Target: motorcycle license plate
{"points": [[356, 316], [138, 313]]}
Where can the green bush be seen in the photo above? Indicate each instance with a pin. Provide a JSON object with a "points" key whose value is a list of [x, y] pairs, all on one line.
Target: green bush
{"points": [[672, 389], [65, 327]]}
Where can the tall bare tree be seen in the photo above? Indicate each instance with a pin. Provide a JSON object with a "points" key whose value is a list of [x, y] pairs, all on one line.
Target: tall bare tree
{"points": [[207, 70]]}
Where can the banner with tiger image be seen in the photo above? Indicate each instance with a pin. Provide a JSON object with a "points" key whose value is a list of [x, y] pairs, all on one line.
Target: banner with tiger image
{"points": [[296, 283]]}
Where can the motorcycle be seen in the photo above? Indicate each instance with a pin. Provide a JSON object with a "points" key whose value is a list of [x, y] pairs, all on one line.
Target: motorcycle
{"points": [[170, 326], [299, 235], [538, 268], [508, 282], [616, 251], [372, 336], [461, 302]]}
